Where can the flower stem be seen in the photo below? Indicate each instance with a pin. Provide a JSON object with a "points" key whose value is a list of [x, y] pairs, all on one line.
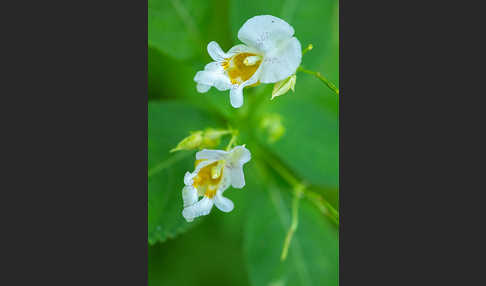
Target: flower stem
{"points": [[295, 221], [308, 48], [233, 139], [321, 77]]}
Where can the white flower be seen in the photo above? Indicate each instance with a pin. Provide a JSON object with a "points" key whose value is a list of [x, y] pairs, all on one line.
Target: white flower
{"points": [[215, 171], [271, 54]]}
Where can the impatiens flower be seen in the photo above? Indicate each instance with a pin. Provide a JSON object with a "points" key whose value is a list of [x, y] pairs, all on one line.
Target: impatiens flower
{"points": [[270, 54], [215, 171]]}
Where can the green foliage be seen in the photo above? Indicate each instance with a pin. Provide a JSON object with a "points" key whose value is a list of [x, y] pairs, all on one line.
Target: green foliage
{"points": [[242, 247], [313, 254], [207, 255], [174, 26]]}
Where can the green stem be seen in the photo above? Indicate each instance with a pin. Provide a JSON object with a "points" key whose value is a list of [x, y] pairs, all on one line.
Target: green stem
{"points": [[233, 140], [308, 48], [323, 205], [322, 78], [295, 222]]}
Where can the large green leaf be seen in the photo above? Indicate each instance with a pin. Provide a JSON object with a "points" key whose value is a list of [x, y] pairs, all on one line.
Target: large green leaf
{"points": [[313, 257], [168, 123]]}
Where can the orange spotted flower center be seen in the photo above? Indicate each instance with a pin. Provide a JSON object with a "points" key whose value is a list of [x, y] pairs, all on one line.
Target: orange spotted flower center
{"points": [[207, 180], [241, 67]]}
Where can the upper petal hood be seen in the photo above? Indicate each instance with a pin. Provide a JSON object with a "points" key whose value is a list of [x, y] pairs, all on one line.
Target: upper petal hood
{"points": [[274, 38], [238, 156], [265, 32], [282, 62], [211, 154]]}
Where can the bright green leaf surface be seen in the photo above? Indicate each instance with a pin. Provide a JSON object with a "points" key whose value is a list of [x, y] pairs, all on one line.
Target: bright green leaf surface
{"points": [[175, 26], [208, 254]]}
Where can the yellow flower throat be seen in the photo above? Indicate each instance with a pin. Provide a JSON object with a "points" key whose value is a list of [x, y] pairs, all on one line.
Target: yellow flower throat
{"points": [[207, 180], [241, 67]]}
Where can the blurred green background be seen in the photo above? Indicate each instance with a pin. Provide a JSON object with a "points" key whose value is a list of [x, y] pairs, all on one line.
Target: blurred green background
{"points": [[242, 247]]}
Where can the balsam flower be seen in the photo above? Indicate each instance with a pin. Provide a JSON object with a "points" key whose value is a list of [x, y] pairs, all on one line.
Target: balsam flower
{"points": [[270, 54], [215, 171]]}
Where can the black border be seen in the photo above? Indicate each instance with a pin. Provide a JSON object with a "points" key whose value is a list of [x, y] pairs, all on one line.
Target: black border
{"points": [[77, 154]]}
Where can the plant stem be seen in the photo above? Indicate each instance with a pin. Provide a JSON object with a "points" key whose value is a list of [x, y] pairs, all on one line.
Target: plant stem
{"points": [[322, 78], [323, 205], [308, 48], [233, 140], [295, 222]]}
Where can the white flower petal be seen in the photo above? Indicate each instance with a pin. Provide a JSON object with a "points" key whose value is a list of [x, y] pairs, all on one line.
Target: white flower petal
{"points": [[213, 75], [265, 32], [202, 88], [215, 52], [225, 181], [215, 78], [188, 178], [282, 62], [223, 204], [189, 195], [241, 49], [236, 92], [237, 177], [214, 66], [205, 77], [240, 154], [213, 155], [201, 208], [222, 85], [236, 96]]}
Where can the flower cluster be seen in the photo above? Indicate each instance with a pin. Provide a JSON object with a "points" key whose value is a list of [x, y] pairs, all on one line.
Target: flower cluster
{"points": [[269, 54]]}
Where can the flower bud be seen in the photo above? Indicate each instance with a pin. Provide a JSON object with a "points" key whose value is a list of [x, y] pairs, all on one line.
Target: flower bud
{"points": [[283, 86], [192, 141], [273, 125], [212, 137]]}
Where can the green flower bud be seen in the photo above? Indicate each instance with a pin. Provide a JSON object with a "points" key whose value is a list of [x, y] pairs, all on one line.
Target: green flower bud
{"points": [[212, 137], [283, 86], [272, 123], [193, 141]]}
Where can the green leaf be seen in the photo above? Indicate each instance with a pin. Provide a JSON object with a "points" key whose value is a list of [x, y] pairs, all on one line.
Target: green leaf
{"points": [[311, 141], [313, 257], [168, 123], [176, 26], [208, 255]]}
